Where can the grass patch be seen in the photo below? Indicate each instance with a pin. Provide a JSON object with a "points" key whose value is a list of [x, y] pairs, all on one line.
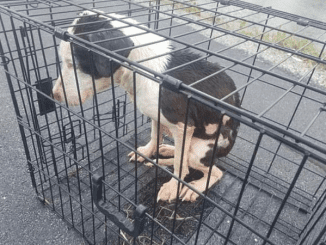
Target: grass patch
{"points": [[243, 27], [194, 10], [286, 40]]}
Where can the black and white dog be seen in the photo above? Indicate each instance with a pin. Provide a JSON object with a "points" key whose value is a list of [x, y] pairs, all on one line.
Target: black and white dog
{"points": [[136, 44]]}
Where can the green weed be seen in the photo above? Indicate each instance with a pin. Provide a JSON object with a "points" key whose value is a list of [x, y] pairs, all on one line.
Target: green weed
{"points": [[243, 27]]}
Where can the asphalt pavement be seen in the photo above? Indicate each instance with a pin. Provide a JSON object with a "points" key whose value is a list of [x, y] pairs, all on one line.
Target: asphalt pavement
{"points": [[23, 218]]}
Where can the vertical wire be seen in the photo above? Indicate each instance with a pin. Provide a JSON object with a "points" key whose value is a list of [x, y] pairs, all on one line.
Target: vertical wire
{"points": [[129, 8], [51, 14], [319, 202], [48, 75], [181, 163], [31, 43], [74, 138], [157, 14], [245, 181], [38, 75], [21, 129], [91, 58], [69, 117], [29, 94], [212, 31], [310, 220], [295, 110], [149, 14], [157, 156], [125, 114], [37, 127], [18, 115], [26, 77], [117, 144], [136, 143], [26, 7], [254, 61], [15, 69], [209, 173], [319, 237], [71, 125], [287, 195], [172, 15], [135, 135], [27, 47]]}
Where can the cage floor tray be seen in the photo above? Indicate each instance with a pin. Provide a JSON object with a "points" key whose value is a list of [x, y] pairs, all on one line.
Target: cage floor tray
{"points": [[256, 210]]}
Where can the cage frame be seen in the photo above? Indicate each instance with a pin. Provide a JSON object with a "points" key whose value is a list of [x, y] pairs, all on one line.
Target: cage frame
{"points": [[264, 127]]}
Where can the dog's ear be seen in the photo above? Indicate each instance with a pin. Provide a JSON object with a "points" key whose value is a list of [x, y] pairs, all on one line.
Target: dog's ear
{"points": [[113, 40]]}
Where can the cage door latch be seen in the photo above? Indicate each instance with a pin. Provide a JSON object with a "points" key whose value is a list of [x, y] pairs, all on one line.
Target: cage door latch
{"points": [[132, 229]]}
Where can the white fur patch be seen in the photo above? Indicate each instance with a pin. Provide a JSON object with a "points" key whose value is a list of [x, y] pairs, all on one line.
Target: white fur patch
{"points": [[147, 90], [225, 119], [198, 149], [223, 142], [211, 128]]}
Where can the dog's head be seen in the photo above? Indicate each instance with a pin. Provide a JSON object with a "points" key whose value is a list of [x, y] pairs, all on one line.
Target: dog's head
{"points": [[83, 71]]}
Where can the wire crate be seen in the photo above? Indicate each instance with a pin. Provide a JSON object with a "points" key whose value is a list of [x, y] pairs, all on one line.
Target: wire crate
{"points": [[273, 190]]}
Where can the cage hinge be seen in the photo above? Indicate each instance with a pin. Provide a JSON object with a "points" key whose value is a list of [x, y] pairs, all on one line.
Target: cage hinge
{"points": [[303, 22], [4, 60], [225, 2], [60, 33], [171, 83], [34, 4], [132, 229], [30, 168]]}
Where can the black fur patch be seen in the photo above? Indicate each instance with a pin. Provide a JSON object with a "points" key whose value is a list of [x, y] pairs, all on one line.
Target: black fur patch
{"points": [[101, 66], [218, 86], [208, 157]]}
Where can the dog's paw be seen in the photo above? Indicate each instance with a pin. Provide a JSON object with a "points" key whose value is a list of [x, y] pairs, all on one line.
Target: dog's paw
{"points": [[187, 194], [168, 191], [166, 150], [147, 150], [149, 164]]}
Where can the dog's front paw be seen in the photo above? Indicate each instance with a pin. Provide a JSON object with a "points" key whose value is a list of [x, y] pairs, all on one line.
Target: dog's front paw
{"points": [[147, 150], [168, 191], [187, 194]]}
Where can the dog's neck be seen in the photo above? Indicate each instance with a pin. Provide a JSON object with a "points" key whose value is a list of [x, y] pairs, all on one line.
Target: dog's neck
{"points": [[144, 86]]}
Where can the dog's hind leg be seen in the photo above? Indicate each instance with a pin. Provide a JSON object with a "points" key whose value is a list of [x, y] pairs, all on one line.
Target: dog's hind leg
{"points": [[150, 149], [200, 185]]}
